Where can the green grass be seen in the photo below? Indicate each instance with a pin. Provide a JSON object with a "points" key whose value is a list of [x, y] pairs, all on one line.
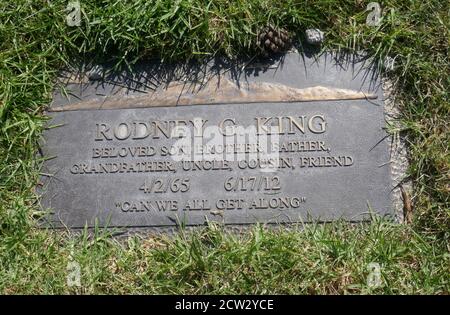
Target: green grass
{"points": [[318, 260], [35, 42]]}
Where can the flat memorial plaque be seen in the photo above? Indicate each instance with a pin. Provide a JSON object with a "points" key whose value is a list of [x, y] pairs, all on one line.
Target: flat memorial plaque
{"points": [[297, 141]]}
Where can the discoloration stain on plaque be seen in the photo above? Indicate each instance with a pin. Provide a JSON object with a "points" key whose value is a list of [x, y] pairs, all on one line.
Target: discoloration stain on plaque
{"points": [[216, 91]]}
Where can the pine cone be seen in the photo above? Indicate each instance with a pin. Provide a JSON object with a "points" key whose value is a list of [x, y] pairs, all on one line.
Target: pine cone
{"points": [[273, 40]]}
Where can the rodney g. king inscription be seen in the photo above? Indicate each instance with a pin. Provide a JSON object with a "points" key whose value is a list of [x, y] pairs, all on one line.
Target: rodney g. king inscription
{"points": [[301, 142]]}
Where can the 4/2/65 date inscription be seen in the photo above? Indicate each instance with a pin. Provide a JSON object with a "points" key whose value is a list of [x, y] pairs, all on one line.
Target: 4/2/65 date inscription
{"points": [[158, 185]]}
